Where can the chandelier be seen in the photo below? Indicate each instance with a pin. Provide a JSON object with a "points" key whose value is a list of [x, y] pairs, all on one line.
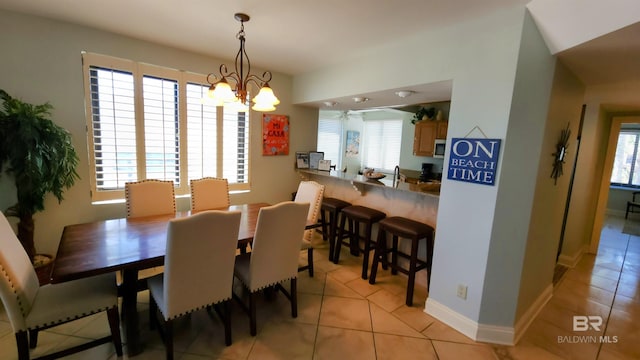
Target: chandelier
{"points": [[220, 90]]}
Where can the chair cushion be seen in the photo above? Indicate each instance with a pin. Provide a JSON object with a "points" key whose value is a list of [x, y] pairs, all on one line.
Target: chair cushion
{"points": [[363, 213], [58, 303], [406, 228], [333, 204]]}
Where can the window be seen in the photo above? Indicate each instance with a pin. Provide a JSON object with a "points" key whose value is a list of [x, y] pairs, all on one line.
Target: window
{"points": [[330, 139], [626, 165], [381, 144], [149, 122]]}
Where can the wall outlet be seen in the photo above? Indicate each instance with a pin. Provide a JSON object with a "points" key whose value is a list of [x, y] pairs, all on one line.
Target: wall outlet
{"points": [[462, 291]]}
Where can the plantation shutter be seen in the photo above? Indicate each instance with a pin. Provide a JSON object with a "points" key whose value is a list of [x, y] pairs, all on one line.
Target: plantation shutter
{"points": [[113, 127]]}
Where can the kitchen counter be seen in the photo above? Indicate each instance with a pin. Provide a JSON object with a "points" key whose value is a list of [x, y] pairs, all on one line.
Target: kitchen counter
{"points": [[360, 182], [399, 199]]}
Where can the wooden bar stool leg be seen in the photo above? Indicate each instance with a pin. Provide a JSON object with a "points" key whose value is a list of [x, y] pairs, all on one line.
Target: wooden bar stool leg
{"points": [[333, 227], [367, 249], [338, 243], [394, 255], [323, 221], [378, 254], [429, 259], [412, 271], [354, 240], [331, 236]]}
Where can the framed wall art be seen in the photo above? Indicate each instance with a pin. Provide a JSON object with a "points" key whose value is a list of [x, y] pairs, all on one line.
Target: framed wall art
{"points": [[275, 134], [353, 144], [314, 159], [302, 159]]}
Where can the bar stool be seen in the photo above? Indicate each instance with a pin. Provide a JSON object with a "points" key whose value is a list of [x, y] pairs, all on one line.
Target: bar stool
{"points": [[357, 214], [401, 227], [333, 207]]}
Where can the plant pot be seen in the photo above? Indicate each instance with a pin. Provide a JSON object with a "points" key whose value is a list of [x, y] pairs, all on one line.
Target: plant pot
{"points": [[43, 265]]}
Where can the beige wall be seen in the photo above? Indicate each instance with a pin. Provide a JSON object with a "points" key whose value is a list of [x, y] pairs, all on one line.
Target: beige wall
{"points": [[549, 206], [603, 102], [45, 65]]}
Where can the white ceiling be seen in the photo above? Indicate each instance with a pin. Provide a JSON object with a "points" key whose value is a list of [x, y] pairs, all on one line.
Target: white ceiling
{"points": [[296, 36]]}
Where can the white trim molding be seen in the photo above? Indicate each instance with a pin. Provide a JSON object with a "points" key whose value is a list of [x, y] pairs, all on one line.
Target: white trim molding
{"points": [[504, 335], [572, 260], [527, 318]]}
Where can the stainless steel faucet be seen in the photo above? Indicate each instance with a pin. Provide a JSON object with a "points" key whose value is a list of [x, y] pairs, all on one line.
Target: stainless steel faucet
{"points": [[396, 176]]}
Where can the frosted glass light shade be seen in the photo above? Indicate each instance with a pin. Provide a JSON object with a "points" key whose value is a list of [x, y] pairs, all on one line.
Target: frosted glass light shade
{"points": [[266, 96], [222, 92]]}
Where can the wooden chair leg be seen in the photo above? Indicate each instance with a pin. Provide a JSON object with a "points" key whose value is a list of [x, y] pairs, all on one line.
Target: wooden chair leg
{"points": [[114, 325], [294, 298], [168, 342], [252, 314], [23, 345], [227, 322], [153, 309], [310, 261], [33, 339]]}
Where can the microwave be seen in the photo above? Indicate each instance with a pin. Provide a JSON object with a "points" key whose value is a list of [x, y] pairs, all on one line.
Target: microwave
{"points": [[438, 148]]}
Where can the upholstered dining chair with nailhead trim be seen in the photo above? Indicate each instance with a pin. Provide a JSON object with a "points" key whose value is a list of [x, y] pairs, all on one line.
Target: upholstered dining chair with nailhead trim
{"points": [[32, 308], [309, 192], [198, 270], [274, 255]]}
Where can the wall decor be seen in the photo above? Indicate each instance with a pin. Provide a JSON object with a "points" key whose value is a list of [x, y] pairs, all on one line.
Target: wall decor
{"points": [[560, 154], [275, 134], [474, 160], [353, 143], [324, 165], [314, 159], [302, 159]]}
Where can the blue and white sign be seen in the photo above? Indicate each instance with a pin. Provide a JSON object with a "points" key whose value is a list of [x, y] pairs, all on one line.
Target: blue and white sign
{"points": [[474, 160]]}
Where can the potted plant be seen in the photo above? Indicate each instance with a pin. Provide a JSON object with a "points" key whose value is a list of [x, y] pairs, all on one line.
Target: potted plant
{"points": [[424, 114], [40, 156]]}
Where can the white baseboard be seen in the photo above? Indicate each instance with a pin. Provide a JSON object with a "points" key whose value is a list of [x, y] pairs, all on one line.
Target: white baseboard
{"points": [[527, 318], [459, 322], [572, 260], [503, 335], [486, 333]]}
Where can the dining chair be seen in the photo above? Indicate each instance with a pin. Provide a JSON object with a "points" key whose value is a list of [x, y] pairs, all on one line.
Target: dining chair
{"points": [[198, 270], [310, 192], [274, 255], [149, 197], [31, 307], [209, 193]]}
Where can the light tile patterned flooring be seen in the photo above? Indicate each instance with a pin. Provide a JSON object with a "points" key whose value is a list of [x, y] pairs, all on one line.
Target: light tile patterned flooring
{"points": [[341, 316]]}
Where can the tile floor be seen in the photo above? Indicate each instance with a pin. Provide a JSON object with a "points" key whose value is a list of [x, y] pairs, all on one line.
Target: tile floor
{"points": [[343, 317]]}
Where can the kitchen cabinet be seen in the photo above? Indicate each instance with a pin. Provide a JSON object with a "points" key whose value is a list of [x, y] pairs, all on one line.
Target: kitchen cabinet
{"points": [[426, 133]]}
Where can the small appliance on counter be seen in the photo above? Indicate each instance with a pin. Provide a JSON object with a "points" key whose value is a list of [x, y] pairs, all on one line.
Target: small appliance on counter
{"points": [[425, 174]]}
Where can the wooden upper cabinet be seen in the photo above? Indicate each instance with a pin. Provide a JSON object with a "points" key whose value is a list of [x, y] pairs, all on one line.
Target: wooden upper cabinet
{"points": [[426, 133], [441, 130]]}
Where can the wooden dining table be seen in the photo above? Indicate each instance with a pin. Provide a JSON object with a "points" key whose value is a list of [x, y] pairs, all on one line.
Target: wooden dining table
{"points": [[129, 245]]}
